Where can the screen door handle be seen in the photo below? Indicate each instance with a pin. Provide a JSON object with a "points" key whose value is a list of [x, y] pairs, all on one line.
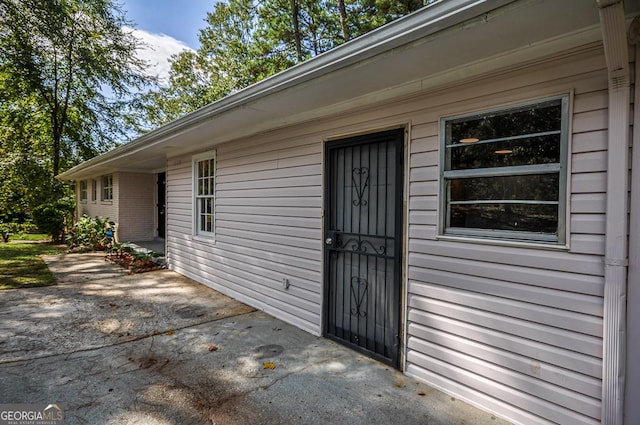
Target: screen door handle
{"points": [[331, 238]]}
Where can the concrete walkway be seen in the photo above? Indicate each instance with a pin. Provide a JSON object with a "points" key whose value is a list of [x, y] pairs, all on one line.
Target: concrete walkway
{"points": [[157, 348]]}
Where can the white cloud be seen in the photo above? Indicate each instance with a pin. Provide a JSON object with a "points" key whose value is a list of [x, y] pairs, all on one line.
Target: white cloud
{"points": [[157, 50]]}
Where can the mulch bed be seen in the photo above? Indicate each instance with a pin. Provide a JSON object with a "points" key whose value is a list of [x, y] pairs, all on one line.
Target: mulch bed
{"points": [[129, 262]]}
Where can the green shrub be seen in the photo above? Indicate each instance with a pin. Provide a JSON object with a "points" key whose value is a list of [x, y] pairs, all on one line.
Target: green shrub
{"points": [[52, 218], [17, 230], [6, 230], [25, 228], [94, 233]]}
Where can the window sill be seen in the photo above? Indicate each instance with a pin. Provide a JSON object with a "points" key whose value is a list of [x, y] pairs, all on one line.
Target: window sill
{"points": [[106, 202], [209, 240], [503, 242]]}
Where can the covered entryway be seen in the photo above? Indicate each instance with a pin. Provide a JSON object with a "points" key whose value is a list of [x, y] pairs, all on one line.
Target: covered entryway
{"points": [[363, 243]]}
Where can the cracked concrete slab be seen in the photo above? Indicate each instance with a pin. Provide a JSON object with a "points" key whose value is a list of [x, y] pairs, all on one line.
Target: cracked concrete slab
{"points": [[96, 305], [76, 268], [192, 356]]}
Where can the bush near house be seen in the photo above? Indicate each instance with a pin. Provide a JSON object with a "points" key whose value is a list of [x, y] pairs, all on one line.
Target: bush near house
{"points": [[96, 234], [52, 218], [91, 233]]}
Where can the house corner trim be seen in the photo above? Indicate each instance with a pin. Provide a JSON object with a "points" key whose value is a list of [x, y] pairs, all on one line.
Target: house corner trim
{"points": [[614, 36]]}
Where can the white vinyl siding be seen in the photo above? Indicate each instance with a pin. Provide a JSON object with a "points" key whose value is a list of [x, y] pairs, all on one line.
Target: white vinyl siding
{"points": [[514, 328], [510, 327], [268, 227]]}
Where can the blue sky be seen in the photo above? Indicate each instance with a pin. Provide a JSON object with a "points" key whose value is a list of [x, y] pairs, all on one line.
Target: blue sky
{"points": [[179, 19], [167, 27]]}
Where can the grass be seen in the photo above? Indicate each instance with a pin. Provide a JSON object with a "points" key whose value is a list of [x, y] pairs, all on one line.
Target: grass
{"points": [[21, 264], [30, 237]]}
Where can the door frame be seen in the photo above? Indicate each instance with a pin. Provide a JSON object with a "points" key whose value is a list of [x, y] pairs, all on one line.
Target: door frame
{"points": [[401, 231]]}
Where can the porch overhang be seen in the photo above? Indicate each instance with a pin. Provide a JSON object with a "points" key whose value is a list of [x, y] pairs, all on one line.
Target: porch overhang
{"points": [[446, 42]]}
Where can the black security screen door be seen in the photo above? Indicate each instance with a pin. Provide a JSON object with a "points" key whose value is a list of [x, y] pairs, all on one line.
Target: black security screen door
{"points": [[363, 243]]}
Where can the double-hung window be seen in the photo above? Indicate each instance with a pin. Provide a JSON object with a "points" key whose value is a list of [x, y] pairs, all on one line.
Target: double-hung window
{"points": [[504, 173], [204, 194], [94, 190], [107, 187], [83, 191]]}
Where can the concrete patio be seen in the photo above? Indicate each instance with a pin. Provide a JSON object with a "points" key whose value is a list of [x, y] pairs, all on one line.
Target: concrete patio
{"points": [[157, 348], [156, 245]]}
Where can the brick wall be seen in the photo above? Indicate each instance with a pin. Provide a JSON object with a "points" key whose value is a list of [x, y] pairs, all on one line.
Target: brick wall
{"points": [[136, 201], [98, 207]]}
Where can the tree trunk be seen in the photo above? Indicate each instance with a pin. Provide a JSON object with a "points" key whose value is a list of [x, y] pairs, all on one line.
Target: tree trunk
{"points": [[56, 137], [56, 156], [296, 28], [343, 20]]}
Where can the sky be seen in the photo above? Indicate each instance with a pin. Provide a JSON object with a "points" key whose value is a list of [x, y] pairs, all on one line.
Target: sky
{"points": [[167, 27]]}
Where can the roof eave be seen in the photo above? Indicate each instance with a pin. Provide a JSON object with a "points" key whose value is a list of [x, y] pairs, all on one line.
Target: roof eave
{"points": [[429, 20]]}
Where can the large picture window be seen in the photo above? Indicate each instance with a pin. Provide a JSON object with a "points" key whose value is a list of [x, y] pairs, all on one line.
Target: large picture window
{"points": [[204, 190], [504, 173]]}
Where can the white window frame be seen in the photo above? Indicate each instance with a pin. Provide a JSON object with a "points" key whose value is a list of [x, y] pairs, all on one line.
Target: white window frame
{"points": [[84, 191], [198, 232], [506, 235], [107, 187]]}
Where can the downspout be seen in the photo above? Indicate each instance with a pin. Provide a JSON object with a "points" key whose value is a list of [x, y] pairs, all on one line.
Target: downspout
{"points": [[614, 37], [632, 390]]}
